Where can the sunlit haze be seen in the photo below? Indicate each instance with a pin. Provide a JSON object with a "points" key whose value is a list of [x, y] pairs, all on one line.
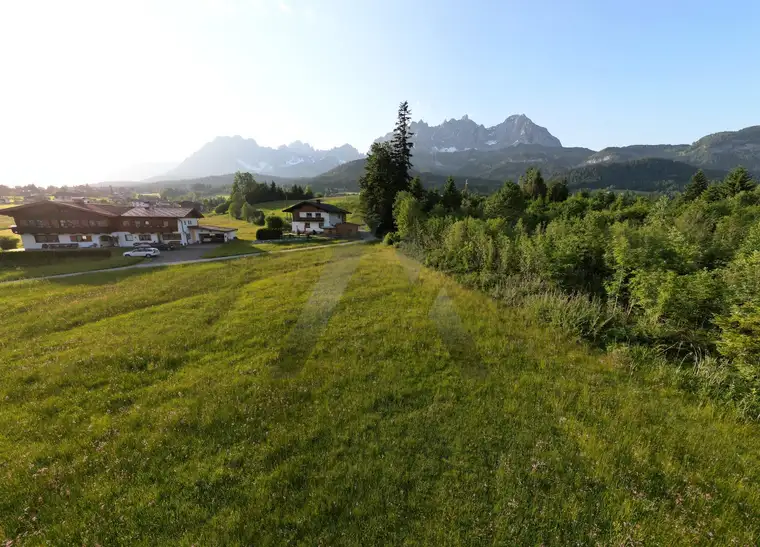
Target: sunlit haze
{"points": [[89, 88]]}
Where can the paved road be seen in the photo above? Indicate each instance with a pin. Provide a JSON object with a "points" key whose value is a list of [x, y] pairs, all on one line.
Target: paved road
{"points": [[177, 260]]}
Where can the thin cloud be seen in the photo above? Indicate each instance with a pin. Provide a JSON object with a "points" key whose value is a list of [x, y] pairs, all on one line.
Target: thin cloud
{"points": [[284, 8]]}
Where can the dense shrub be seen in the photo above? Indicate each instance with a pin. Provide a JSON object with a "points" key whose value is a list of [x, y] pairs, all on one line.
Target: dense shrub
{"points": [[677, 274], [275, 222], [257, 218], [268, 233], [8, 242], [222, 208], [391, 238]]}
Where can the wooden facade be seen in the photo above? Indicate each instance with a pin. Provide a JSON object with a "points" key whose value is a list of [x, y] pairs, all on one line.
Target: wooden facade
{"points": [[54, 218]]}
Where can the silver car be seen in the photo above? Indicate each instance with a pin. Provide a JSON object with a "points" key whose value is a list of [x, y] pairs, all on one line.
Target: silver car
{"points": [[145, 252]]}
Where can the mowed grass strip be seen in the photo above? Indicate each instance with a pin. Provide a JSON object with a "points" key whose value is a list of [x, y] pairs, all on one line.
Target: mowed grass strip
{"points": [[163, 417]]}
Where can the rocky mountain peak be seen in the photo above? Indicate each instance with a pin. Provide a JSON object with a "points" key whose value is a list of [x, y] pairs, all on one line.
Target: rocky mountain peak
{"points": [[455, 135]]}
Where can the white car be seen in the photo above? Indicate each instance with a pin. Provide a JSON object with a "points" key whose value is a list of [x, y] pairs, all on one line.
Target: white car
{"points": [[145, 252]]}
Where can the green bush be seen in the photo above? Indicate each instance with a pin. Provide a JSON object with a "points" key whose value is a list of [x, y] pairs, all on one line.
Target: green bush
{"points": [[222, 208], [268, 233], [274, 222], [8, 242], [257, 218], [391, 238]]}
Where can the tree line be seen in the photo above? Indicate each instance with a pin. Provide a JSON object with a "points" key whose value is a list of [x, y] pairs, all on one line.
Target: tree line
{"points": [[246, 193], [668, 280]]}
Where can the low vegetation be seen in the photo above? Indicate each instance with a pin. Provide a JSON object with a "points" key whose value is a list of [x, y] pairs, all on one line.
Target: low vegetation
{"points": [[204, 404], [54, 263], [671, 279]]}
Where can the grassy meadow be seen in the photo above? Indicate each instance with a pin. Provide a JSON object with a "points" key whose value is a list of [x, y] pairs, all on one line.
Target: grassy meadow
{"points": [[11, 272], [222, 403], [6, 223]]}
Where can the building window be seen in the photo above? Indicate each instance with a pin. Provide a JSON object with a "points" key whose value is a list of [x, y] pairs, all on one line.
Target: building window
{"points": [[147, 222], [66, 224], [171, 237], [81, 239], [103, 223], [54, 223], [308, 215], [92, 223], [125, 223], [46, 238], [307, 224], [145, 237], [23, 222], [75, 222], [128, 237], [166, 224]]}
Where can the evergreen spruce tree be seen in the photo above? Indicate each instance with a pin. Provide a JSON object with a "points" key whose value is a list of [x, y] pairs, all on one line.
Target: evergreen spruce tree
{"points": [[377, 190], [451, 198], [386, 173], [402, 146], [416, 188], [696, 186], [738, 180], [558, 191], [533, 184]]}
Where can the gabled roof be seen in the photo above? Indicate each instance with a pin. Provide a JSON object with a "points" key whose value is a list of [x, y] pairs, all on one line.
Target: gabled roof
{"points": [[327, 207], [213, 228], [97, 208], [163, 212]]}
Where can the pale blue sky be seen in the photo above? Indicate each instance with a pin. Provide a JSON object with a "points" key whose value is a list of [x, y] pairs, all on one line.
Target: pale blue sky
{"points": [[93, 86]]}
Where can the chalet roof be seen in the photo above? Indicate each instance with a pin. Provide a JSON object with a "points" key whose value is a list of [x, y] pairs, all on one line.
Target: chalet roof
{"points": [[163, 212], [327, 207], [97, 208], [214, 228]]}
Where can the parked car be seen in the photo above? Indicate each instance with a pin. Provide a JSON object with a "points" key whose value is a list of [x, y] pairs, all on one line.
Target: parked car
{"points": [[164, 246], [160, 245], [145, 252]]}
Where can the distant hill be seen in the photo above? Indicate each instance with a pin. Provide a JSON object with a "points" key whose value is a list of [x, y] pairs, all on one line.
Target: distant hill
{"points": [[723, 150], [643, 175]]}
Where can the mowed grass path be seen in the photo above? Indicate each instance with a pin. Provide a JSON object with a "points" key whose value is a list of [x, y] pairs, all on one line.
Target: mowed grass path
{"points": [[162, 407]]}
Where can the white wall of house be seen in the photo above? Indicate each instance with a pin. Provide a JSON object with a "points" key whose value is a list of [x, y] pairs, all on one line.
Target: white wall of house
{"points": [[300, 226], [184, 224], [28, 241]]}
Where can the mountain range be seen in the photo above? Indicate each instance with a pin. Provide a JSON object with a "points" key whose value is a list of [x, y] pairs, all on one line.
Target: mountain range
{"points": [[485, 156], [229, 154]]}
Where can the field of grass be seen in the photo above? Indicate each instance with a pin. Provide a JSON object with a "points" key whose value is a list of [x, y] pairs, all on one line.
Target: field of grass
{"points": [[6, 222], [244, 246], [66, 265], [222, 403]]}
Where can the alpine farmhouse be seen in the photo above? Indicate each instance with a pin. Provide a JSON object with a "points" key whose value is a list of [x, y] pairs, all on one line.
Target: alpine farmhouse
{"points": [[54, 225], [315, 217]]}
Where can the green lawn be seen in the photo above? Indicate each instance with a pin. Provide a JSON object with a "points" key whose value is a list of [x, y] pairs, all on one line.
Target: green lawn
{"points": [[244, 246], [6, 222], [66, 265], [222, 404]]}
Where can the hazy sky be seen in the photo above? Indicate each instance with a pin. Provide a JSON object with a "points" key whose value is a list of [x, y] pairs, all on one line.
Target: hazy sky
{"points": [[87, 88]]}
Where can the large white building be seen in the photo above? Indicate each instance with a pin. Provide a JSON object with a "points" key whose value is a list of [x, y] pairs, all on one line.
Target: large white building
{"points": [[53, 225]]}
